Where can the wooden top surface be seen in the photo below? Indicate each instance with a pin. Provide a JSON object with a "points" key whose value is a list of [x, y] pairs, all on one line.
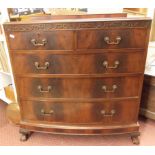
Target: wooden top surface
{"points": [[81, 20]]}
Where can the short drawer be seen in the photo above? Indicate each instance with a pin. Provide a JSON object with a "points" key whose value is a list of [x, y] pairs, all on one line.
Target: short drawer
{"points": [[53, 40], [111, 38], [43, 62], [107, 113], [79, 87]]}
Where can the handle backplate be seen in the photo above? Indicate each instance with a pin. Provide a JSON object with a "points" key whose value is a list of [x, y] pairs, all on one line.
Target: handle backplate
{"points": [[116, 42], [107, 114], [36, 43], [106, 65], [46, 65], [43, 112], [40, 88], [114, 87]]}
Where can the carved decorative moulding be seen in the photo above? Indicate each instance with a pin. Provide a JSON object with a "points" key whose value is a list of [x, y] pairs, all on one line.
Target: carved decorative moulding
{"points": [[76, 26]]}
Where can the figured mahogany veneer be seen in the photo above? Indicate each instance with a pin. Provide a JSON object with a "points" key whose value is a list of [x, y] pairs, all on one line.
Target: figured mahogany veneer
{"points": [[99, 113], [69, 63], [79, 76], [56, 40], [86, 39], [95, 39], [79, 87]]}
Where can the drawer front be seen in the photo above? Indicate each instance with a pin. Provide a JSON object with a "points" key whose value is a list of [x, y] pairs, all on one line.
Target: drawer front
{"points": [[47, 63], [53, 40], [107, 113], [111, 38], [79, 87]]}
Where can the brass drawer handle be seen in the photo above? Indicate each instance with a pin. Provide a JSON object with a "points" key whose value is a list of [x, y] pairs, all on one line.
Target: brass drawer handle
{"points": [[114, 87], [51, 112], [112, 112], [35, 43], [116, 63], [117, 40], [41, 67], [49, 88]]}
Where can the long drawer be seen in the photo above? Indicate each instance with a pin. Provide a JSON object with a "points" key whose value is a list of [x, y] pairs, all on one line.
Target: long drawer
{"points": [[111, 38], [53, 40], [43, 62], [106, 113], [112, 87]]}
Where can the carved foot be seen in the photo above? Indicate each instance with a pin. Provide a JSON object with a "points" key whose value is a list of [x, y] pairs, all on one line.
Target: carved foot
{"points": [[25, 134], [135, 140], [23, 137]]}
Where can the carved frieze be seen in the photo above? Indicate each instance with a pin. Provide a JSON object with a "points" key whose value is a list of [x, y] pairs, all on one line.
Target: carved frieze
{"points": [[76, 25]]}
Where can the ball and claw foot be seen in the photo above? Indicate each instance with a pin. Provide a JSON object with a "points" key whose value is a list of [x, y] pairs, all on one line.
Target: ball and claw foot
{"points": [[23, 138], [135, 140], [25, 134]]}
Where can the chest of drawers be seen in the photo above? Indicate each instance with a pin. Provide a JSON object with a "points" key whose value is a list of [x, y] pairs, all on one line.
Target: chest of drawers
{"points": [[79, 76]]}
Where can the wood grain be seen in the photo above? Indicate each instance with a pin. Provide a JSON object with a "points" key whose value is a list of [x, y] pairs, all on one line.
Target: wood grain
{"points": [[81, 113], [76, 50], [94, 39], [71, 63], [79, 87], [56, 40]]}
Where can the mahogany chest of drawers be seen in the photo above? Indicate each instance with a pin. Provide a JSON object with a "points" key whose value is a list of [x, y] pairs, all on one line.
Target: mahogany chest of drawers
{"points": [[79, 76]]}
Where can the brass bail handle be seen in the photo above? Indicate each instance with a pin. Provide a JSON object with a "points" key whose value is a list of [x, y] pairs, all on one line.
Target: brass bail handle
{"points": [[112, 112], [43, 112], [117, 40], [46, 65], [106, 65], [35, 43], [40, 88], [114, 87]]}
